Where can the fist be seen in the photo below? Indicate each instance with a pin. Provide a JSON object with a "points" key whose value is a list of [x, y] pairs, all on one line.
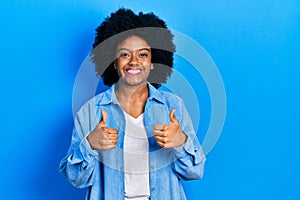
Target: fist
{"points": [[169, 135], [102, 137]]}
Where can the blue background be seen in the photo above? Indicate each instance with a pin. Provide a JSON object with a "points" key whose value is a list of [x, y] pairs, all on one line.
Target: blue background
{"points": [[255, 45]]}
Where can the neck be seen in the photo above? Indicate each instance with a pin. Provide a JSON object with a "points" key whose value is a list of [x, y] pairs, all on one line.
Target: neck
{"points": [[125, 93]]}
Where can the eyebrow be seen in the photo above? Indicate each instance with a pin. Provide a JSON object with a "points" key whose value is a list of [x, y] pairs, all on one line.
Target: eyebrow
{"points": [[121, 49]]}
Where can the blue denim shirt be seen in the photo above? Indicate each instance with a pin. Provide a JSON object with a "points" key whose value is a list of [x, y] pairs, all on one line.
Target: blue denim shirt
{"points": [[102, 171]]}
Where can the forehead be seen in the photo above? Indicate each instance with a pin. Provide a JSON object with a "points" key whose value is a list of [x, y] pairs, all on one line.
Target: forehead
{"points": [[133, 43]]}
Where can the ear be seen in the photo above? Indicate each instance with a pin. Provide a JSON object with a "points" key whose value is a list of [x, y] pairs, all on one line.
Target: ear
{"points": [[151, 66]]}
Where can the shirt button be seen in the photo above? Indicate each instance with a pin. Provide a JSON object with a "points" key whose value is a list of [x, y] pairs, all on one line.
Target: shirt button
{"points": [[152, 167], [152, 189]]}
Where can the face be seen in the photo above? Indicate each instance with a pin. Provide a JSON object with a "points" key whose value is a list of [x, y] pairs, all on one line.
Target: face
{"points": [[133, 61]]}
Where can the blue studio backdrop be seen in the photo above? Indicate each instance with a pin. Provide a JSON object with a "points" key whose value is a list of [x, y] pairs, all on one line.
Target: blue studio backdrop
{"points": [[255, 45]]}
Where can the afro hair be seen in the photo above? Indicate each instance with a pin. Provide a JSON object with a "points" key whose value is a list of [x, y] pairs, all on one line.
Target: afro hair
{"points": [[125, 23]]}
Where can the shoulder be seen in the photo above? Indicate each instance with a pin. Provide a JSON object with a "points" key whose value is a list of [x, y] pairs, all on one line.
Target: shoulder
{"points": [[171, 100], [169, 96], [95, 102], [164, 96]]}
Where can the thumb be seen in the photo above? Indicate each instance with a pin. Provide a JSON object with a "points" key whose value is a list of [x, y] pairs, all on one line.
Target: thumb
{"points": [[172, 116], [103, 119]]}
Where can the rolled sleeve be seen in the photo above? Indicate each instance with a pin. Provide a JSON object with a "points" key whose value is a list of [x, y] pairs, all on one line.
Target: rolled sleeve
{"points": [[189, 149]]}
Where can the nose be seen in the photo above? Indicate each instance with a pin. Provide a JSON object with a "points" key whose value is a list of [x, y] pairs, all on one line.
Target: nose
{"points": [[134, 60]]}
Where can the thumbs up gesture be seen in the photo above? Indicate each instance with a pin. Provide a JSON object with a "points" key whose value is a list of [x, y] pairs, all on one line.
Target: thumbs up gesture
{"points": [[169, 136], [102, 137]]}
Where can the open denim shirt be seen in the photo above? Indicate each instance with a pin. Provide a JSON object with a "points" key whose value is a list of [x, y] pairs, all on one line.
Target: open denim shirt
{"points": [[102, 171]]}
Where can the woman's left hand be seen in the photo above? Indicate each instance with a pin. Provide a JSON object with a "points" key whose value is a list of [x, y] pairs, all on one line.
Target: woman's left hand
{"points": [[169, 136]]}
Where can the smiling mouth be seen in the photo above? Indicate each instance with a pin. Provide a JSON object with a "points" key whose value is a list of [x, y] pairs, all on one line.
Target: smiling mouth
{"points": [[133, 71]]}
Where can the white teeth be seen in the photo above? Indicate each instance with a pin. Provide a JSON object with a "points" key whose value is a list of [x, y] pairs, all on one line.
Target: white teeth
{"points": [[134, 71]]}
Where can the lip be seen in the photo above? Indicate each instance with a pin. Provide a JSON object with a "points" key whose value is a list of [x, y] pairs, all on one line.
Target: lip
{"points": [[133, 71]]}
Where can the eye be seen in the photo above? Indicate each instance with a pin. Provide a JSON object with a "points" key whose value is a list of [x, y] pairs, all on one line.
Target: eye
{"points": [[143, 55], [123, 54]]}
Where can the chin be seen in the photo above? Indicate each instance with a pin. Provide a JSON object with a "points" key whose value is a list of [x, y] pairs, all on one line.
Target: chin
{"points": [[132, 82], [137, 83]]}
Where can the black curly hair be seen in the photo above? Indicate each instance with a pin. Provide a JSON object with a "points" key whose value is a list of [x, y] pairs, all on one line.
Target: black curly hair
{"points": [[125, 23]]}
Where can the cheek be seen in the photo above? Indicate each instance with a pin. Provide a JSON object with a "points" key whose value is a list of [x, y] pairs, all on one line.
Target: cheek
{"points": [[146, 62], [118, 68], [120, 62]]}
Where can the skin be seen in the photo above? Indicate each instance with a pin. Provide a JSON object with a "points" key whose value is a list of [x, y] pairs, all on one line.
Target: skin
{"points": [[133, 66]]}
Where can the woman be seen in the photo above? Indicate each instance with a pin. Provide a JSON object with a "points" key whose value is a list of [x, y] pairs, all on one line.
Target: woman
{"points": [[133, 141]]}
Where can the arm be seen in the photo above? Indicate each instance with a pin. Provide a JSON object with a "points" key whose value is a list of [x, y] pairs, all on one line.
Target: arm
{"points": [[190, 159], [180, 137], [81, 166]]}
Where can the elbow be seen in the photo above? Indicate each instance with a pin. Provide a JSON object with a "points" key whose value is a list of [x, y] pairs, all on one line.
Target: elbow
{"points": [[199, 168], [74, 178], [199, 173], [192, 173], [77, 183], [195, 172]]}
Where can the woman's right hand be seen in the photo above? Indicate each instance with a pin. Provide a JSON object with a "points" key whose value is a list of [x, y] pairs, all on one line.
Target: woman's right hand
{"points": [[102, 137]]}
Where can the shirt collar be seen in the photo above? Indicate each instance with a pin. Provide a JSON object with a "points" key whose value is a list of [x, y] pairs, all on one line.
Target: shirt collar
{"points": [[110, 97], [155, 94]]}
